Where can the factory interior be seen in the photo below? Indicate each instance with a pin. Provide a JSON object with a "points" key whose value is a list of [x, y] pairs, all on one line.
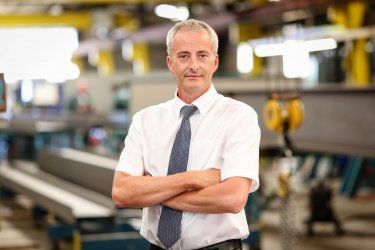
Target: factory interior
{"points": [[74, 72]]}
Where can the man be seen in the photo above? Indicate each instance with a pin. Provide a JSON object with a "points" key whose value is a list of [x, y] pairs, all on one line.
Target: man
{"points": [[191, 162]]}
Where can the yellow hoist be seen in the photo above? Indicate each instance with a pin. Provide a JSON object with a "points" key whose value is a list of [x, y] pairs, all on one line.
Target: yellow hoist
{"points": [[283, 112]]}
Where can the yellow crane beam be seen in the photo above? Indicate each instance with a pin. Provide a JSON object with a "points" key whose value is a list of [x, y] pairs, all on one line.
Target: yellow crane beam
{"points": [[80, 20], [96, 2]]}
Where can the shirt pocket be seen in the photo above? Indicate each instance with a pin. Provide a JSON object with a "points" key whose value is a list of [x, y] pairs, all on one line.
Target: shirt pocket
{"points": [[205, 154]]}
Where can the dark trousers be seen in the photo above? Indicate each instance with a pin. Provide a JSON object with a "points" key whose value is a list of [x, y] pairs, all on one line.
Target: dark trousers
{"points": [[225, 245]]}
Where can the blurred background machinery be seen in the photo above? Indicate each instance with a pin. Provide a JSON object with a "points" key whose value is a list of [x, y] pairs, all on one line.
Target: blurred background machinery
{"points": [[73, 72]]}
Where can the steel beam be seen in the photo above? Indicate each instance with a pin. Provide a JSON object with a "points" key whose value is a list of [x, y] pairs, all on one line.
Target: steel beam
{"points": [[87, 170], [80, 20], [66, 205], [33, 169], [33, 126], [338, 119], [157, 33], [275, 9], [99, 2]]}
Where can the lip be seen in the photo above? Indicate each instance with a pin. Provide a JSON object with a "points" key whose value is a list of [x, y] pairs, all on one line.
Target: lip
{"points": [[193, 76]]}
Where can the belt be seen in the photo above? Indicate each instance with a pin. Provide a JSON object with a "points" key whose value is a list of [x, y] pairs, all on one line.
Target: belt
{"points": [[225, 245]]}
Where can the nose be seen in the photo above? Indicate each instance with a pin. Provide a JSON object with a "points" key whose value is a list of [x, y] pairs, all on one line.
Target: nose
{"points": [[194, 66]]}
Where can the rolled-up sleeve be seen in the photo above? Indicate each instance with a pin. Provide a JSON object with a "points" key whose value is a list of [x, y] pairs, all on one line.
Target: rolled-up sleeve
{"points": [[131, 159], [241, 148]]}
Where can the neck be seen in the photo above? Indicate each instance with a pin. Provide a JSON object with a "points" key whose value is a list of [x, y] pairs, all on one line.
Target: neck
{"points": [[187, 97]]}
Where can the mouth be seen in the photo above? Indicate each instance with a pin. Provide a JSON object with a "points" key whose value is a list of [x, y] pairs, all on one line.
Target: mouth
{"points": [[193, 76]]}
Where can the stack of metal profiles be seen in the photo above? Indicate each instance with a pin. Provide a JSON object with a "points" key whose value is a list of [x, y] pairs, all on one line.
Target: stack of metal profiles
{"points": [[76, 187]]}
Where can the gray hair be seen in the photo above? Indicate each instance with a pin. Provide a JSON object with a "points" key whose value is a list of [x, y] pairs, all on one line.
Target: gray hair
{"points": [[191, 25]]}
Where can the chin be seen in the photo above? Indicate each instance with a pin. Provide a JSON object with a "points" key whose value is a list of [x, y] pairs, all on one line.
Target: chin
{"points": [[197, 89], [192, 84]]}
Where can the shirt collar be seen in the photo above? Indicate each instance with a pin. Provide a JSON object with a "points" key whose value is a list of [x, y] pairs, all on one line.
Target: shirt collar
{"points": [[203, 103]]}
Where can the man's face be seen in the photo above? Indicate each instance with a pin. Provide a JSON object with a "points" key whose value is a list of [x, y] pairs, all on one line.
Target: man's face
{"points": [[193, 61]]}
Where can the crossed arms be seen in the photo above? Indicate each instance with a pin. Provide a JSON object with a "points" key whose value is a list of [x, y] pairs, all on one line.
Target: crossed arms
{"points": [[192, 191]]}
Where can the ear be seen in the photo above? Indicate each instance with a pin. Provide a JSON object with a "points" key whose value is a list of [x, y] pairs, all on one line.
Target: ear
{"points": [[169, 63], [216, 62]]}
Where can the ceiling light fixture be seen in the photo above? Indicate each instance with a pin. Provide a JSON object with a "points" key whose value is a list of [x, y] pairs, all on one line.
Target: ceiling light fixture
{"points": [[38, 53], [172, 12], [244, 58], [295, 53]]}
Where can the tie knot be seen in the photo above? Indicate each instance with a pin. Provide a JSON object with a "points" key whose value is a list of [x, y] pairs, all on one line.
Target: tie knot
{"points": [[187, 111]]}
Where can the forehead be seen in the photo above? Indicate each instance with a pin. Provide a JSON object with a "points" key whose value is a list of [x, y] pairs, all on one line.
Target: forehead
{"points": [[192, 40]]}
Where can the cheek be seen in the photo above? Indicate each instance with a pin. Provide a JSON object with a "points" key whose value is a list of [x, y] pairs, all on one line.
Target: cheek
{"points": [[209, 68], [176, 68], [182, 68]]}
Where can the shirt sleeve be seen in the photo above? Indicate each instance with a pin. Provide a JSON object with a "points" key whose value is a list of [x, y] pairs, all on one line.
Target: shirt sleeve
{"points": [[241, 148], [131, 160]]}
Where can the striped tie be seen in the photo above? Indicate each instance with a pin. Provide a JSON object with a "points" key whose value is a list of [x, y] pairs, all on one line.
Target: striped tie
{"points": [[169, 229]]}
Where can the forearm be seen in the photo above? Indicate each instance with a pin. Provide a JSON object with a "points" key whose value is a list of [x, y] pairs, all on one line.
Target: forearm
{"points": [[227, 197], [145, 191]]}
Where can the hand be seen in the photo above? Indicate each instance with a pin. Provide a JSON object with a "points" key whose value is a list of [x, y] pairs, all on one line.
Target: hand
{"points": [[206, 178]]}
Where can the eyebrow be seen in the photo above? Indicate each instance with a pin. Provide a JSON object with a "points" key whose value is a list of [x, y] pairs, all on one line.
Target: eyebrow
{"points": [[187, 52], [183, 52]]}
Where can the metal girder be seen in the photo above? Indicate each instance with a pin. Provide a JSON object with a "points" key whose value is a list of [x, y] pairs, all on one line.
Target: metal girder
{"points": [[93, 45], [30, 125], [31, 168], [273, 9], [338, 119], [96, 2], [87, 170], [158, 33], [80, 20], [66, 205]]}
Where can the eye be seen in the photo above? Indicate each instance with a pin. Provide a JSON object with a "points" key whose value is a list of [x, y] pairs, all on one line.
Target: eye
{"points": [[203, 55], [182, 56]]}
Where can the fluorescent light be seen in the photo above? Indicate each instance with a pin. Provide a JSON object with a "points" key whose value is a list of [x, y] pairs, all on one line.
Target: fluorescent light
{"points": [[172, 12], [165, 10], [61, 72], [278, 49], [245, 61], [296, 63], [320, 44], [38, 53], [266, 50], [182, 13]]}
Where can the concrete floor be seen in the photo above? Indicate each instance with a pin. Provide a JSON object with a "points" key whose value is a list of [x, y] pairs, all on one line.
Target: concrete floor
{"points": [[18, 230], [357, 216]]}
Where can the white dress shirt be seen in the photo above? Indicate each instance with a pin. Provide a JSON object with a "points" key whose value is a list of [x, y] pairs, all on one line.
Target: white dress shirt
{"points": [[224, 135]]}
